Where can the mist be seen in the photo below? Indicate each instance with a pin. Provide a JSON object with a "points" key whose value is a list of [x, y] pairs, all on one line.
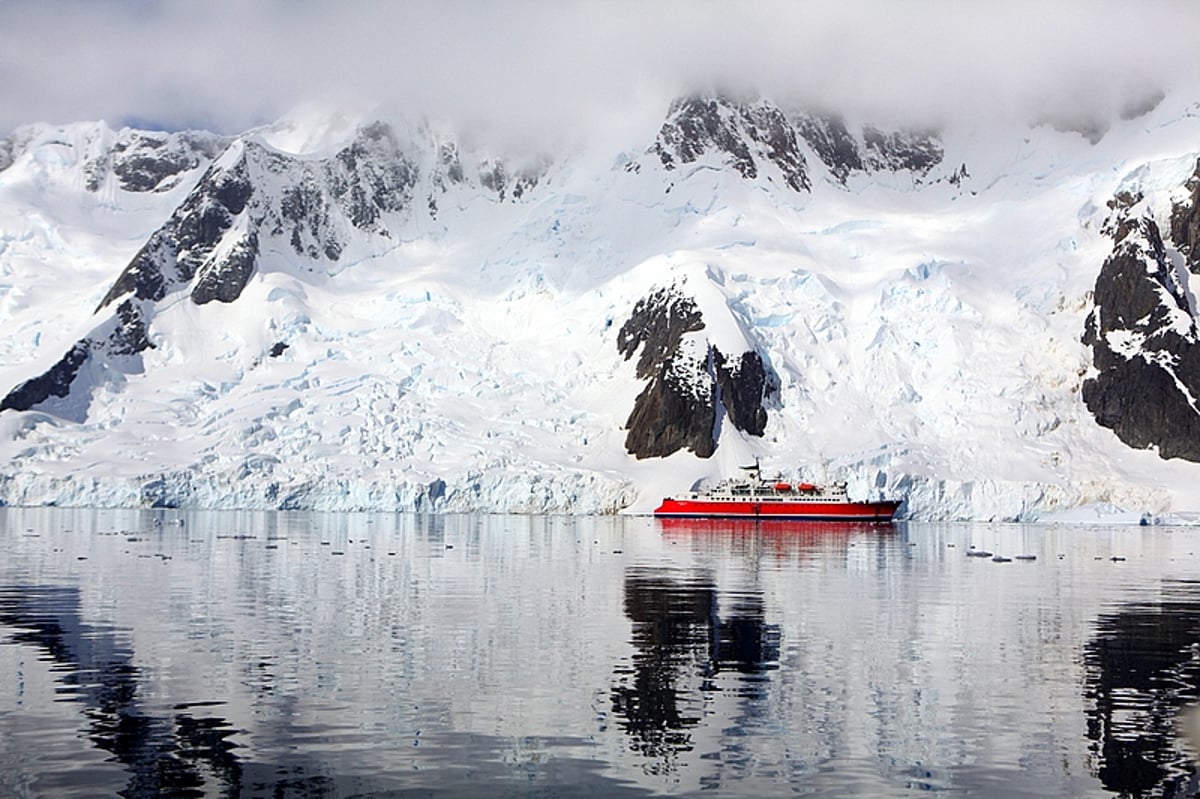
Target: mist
{"points": [[537, 70]]}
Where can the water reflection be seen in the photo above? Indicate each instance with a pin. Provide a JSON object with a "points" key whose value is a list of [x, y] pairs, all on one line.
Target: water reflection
{"points": [[683, 641], [162, 755], [1142, 673], [796, 532], [777, 541], [331, 655]]}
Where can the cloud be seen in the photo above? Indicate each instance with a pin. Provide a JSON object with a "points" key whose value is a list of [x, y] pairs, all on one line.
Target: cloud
{"points": [[535, 67]]}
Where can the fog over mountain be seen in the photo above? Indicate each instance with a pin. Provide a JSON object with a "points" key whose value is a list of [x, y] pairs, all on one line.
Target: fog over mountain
{"points": [[530, 68]]}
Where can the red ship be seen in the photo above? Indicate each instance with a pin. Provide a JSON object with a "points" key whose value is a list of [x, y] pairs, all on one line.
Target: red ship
{"points": [[756, 498]]}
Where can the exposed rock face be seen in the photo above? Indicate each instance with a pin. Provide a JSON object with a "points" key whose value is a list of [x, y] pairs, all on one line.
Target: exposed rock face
{"points": [[54, 382], [117, 342], [916, 151], [1143, 333], [743, 383], [143, 161], [691, 384], [752, 136], [833, 144], [1185, 223], [494, 175], [748, 136], [212, 241], [189, 242], [677, 408], [129, 160], [845, 154]]}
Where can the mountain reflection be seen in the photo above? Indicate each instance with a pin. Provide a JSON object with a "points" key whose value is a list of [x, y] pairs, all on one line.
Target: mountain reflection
{"points": [[683, 639], [165, 756], [1142, 670]]}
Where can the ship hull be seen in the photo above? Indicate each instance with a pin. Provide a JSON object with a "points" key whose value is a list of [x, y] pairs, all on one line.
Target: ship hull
{"points": [[776, 509]]}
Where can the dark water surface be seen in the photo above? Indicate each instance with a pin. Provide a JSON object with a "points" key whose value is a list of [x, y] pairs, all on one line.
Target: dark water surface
{"points": [[147, 654]]}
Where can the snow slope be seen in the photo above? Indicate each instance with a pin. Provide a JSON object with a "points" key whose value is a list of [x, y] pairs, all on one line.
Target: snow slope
{"points": [[924, 328]]}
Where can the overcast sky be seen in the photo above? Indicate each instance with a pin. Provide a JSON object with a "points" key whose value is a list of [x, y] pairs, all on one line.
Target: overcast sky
{"points": [[526, 65]]}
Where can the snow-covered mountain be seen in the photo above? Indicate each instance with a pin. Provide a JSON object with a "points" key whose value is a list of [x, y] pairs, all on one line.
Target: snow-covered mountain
{"points": [[343, 312]]}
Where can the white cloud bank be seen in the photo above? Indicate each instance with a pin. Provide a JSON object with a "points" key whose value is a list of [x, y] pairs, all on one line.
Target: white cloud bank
{"points": [[527, 67]]}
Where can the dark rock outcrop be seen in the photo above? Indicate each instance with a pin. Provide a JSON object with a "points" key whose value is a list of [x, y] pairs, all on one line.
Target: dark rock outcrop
{"points": [[675, 411], [747, 136], [212, 241], [1143, 334], [136, 161], [916, 151], [54, 382], [146, 161], [677, 408], [691, 385], [657, 325], [844, 154], [494, 176], [833, 143], [225, 281], [143, 161], [190, 240], [1185, 223], [750, 136], [742, 385]]}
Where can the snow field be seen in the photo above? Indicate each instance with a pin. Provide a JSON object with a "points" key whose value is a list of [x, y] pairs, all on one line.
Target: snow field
{"points": [[925, 337]]}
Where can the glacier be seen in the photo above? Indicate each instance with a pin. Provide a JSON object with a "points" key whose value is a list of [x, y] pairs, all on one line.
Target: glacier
{"points": [[421, 325]]}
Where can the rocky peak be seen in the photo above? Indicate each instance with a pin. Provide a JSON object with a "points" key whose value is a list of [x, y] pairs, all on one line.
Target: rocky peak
{"points": [[747, 137], [135, 161], [253, 193], [846, 153], [916, 151], [145, 161]]}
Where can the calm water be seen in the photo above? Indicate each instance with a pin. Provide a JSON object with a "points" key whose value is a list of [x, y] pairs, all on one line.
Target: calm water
{"points": [[279, 655]]}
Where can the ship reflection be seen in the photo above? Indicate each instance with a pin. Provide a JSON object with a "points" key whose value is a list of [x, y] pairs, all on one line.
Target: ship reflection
{"points": [[1142, 678], [685, 636], [781, 537], [783, 528]]}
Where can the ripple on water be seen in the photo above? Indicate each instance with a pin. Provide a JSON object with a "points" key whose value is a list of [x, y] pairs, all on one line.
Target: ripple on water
{"points": [[598, 657]]}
